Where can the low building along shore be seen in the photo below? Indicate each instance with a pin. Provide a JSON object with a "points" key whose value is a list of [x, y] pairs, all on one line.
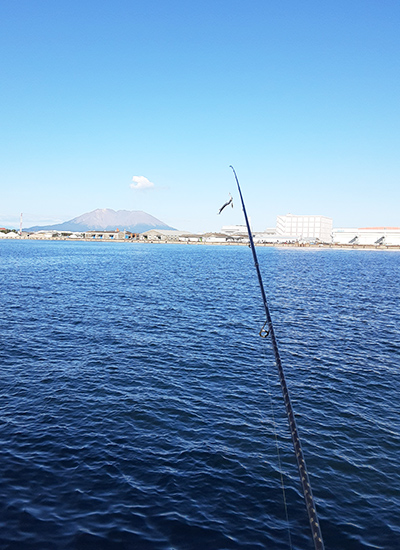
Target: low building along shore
{"points": [[370, 236]]}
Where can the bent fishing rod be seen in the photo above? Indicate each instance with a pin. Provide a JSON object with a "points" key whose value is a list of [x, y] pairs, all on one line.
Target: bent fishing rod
{"points": [[264, 333]]}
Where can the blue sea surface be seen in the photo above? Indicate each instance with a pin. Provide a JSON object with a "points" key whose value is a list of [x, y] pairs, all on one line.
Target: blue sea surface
{"points": [[140, 409]]}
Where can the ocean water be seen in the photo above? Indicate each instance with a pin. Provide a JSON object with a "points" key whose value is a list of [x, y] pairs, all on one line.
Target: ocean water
{"points": [[139, 408]]}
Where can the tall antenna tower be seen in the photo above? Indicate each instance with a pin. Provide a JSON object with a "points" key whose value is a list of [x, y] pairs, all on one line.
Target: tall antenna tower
{"points": [[20, 225]]}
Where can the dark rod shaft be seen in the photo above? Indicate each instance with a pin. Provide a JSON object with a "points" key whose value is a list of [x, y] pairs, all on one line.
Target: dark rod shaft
{"points": [[304, 479]]}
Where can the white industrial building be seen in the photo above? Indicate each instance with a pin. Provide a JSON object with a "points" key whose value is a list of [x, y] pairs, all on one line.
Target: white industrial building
{"points": [[161, 235], [8, 235], [109, 235], [234, 229], [384, 236], [305, 228], [289, 228]]}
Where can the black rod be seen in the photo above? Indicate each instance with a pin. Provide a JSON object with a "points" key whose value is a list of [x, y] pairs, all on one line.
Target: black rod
{"points": [[304, 479]]}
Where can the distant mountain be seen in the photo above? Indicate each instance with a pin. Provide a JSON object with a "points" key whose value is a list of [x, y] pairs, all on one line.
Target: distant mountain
{"points": [[108, 220]]}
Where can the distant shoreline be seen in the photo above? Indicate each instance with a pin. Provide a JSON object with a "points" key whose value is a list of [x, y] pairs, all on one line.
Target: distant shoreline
{"points": [[202, 243]]}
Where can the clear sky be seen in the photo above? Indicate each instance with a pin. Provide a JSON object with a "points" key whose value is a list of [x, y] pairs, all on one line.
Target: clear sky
{"points": [[302, 97]]}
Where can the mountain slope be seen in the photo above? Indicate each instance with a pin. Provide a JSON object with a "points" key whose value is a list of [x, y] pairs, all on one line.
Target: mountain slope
{"points": [[106, 219]]}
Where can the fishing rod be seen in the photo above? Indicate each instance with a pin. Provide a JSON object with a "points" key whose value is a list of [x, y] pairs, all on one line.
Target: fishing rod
{"points": [[264, 333]]}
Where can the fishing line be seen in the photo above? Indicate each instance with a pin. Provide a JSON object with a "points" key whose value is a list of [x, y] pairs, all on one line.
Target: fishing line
{"points": [[277, 448], [270, 333]]}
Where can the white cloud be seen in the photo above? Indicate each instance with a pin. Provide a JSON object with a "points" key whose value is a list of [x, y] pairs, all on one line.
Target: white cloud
{"points": [[140, 182]]}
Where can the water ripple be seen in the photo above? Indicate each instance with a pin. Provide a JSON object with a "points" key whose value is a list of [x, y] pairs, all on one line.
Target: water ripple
{"points": [[139, 408]]}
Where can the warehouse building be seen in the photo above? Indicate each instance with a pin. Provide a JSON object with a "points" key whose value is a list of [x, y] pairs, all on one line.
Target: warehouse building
{"points": [[304, 228], [369, 236], [109, 235]]}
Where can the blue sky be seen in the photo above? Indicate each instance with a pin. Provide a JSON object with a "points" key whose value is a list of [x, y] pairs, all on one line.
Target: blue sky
{"points": [[301, 97]]}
